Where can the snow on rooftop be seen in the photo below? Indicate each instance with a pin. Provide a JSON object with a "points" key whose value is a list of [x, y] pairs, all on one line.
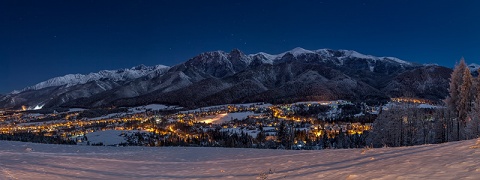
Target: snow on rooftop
{"points": [[454, 160]]}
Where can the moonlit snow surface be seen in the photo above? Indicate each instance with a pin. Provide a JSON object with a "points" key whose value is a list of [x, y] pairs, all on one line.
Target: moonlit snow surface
{"points": [[455, 160]]}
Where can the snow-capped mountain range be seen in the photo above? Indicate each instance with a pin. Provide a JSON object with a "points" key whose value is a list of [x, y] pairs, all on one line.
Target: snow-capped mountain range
{"points": [[142, 70], [329, 53], [114, 75], [224, 77]]}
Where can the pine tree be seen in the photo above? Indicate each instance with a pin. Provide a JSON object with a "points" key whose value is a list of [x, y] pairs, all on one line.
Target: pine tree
{"points": [[282, 134]]}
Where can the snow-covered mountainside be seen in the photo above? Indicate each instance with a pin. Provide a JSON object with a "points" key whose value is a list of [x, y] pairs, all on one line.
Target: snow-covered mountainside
{"points": [[329, 53], [114, 75], [453, 160], [326, 54], [473, 67], [219, 77]]}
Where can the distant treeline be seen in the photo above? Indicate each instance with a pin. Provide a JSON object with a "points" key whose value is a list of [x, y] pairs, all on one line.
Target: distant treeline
{"points": [[35, 138]]}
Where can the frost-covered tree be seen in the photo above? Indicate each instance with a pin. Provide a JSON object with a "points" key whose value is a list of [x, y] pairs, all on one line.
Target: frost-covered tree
{"points": [[473, 124], [466, 96], [456, 80], [454, 101], [464, 106], [388, 128], [444, 125], [403, 126]]}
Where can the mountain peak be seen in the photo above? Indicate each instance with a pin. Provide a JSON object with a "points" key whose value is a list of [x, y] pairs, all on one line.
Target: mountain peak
{"points": [[139, 67], [298, 50], [355, 54], [161, 66], [236, 51], [213, 53], [473, 67]]}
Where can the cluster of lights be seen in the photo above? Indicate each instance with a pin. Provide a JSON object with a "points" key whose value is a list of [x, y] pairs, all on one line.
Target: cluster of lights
{"points": [[71, 127], [411, 100]]}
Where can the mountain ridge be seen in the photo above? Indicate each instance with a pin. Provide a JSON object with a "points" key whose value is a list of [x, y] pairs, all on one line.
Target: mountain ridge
{"points": [[116, 75], [73, 79], [234, 76]]}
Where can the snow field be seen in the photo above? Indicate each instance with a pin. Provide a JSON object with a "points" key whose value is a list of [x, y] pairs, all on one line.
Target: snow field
{"points": [[454, 160]]}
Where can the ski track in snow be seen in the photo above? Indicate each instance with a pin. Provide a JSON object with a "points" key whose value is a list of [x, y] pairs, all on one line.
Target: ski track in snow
{"points": [[455, 160]]}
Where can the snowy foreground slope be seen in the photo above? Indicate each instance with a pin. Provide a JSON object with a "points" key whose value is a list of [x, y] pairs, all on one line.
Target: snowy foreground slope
{"points": [[456, 160]]}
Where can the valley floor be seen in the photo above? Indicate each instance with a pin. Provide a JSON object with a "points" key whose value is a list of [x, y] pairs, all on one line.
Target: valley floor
{"points": [[455, 160]]}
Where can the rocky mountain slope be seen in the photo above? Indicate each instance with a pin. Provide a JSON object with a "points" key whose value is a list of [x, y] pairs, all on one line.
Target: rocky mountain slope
{"points": [[219, 77]]}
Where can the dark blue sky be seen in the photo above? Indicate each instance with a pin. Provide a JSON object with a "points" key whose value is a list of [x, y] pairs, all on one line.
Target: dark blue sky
{"points": [[44, 39]]}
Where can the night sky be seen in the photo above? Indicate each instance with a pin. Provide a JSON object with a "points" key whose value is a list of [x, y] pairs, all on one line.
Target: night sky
{"points": [[44, 39]]}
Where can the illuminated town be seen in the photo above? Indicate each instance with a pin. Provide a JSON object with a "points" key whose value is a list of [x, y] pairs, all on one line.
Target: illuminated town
{"points": [[303, 125]]}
